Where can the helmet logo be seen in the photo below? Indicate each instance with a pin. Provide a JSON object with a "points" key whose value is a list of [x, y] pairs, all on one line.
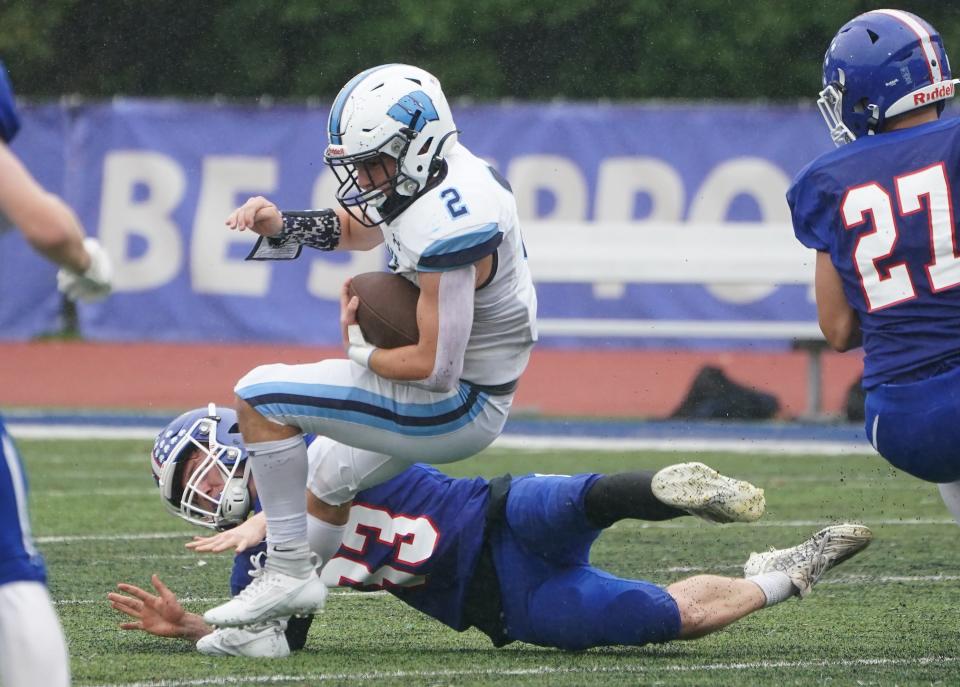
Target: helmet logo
{"points": [[933, 93], [414, 110]]}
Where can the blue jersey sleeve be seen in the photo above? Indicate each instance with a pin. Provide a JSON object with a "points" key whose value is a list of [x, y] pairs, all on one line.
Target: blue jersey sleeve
{"points": [[9, 119], [809, 210]]}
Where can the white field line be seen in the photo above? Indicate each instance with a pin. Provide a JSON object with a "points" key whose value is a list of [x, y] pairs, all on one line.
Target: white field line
{"points": [[41, 431], [422, 675], [847, 580], [74, 538], [792, 523], [86, 493], [747, 446], [131, 492], [520, 441], [340, 593]]}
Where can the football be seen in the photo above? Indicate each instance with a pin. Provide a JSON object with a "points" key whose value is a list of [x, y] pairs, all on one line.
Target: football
{"points": [[387, 313]]}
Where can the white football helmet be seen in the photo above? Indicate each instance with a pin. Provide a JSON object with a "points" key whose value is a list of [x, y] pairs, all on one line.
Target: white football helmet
{"points": [[215, 434], [393, 110]]}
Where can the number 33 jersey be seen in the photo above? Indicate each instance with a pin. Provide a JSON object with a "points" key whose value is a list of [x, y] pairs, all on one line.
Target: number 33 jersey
{"points": [[883, 208], [469, 214], [418, 536]]}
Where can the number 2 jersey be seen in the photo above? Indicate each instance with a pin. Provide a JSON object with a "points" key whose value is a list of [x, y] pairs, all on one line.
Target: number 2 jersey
{"points": [[882, 207], [468, 214]]}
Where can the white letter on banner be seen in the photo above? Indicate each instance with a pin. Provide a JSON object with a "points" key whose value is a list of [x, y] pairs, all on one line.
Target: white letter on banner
{"points": [[619, 181], [758, 178], [326, 274], [557, 175], [212, 270], [122, 216]]}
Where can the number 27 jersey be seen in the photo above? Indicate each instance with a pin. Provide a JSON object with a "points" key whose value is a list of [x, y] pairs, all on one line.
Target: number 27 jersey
{"points": [[882, 207]]}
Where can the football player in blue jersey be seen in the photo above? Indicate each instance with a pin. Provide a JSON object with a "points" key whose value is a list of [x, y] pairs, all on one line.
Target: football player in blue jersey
{"points": [[450, 225], [509, 556], [879, 211], [32, 648]]}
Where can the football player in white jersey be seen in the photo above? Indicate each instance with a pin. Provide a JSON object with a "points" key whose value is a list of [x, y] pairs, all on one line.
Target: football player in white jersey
{"points": [[449, 222], [32, 648]]}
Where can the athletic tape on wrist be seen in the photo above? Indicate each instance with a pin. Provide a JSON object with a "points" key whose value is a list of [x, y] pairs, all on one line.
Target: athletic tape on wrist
{"points": [[358, 350], [361, 354]]}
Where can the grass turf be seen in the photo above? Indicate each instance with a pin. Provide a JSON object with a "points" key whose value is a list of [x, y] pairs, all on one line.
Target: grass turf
{"points": [[886, 617]]}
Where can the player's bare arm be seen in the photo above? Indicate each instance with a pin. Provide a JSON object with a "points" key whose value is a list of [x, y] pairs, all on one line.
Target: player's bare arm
{"points": [[264, 218], [838, 321], [46, 222]]}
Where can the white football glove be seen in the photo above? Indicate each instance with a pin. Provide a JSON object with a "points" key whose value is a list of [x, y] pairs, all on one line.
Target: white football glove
{"points": [[92, 285]]}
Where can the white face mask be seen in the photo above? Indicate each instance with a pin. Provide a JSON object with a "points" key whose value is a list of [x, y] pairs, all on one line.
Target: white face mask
{"points": [[830, 104]]}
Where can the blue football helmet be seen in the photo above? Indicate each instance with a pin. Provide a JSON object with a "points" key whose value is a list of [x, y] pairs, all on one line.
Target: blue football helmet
{"points": [[9, 120], [213, 435], [879, 65]]}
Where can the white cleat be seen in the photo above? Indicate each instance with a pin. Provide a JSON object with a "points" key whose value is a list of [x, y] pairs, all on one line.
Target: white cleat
{"points": [[271, 596], [704, 492], [265, 640], [806, 563]]}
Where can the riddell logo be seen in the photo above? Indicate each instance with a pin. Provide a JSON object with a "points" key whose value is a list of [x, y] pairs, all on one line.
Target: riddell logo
{"points": [[933, 93], [336, 151]]}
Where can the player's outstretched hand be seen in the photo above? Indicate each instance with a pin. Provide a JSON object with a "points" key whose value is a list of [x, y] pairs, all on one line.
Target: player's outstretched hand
{"points": [[242, 537], [160, 614], [258, 215]]}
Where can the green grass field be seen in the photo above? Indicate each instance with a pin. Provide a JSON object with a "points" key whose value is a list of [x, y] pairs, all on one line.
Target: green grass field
{"points": [[887, 617]]}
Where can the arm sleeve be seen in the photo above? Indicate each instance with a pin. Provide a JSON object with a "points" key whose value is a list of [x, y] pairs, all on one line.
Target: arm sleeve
{"points": [[456, 321]]}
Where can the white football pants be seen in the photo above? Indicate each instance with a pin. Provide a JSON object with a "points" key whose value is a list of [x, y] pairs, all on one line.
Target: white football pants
{"points": [[33, 652]]}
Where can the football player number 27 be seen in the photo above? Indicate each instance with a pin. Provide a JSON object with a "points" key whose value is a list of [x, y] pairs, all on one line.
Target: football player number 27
{"points": [[926, 189], [413, 540]]}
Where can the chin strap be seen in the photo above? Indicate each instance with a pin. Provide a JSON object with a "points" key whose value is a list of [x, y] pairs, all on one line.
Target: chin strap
{"points": [[234, 503]]}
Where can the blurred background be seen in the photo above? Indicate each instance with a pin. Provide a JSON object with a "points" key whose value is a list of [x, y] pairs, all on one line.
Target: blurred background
{"points": [[649, 145]]}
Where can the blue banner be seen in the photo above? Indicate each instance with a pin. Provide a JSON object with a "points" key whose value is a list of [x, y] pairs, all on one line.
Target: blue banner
{"points": [[155, 181]]}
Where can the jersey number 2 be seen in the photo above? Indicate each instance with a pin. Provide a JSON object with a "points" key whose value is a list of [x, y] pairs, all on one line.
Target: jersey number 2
{"points": [[455, 205], [928, 189]]}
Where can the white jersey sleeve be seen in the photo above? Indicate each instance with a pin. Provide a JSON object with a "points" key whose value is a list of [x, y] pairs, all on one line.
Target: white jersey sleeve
{"points": [[468, 215]]}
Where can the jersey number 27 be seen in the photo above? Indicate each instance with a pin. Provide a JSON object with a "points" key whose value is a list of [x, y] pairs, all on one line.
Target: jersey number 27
{"points": [[927, 189]]}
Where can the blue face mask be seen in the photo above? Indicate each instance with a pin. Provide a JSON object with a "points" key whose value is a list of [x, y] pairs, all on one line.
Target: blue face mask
{"points": [[9, 120]]}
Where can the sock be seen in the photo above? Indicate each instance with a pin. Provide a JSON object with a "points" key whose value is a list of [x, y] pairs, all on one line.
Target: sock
{"points": [[950, 493], [296, 632], [291, 558], [776, 586], [324, 538], [626, 495], [280, 471]]}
